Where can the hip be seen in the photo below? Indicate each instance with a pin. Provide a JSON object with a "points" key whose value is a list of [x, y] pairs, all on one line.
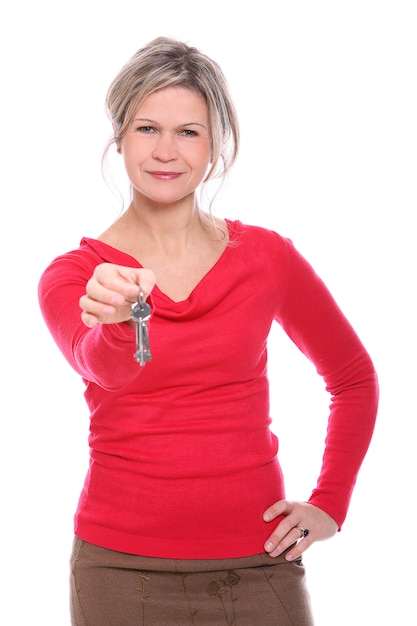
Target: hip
{"points": [[114, 588]]}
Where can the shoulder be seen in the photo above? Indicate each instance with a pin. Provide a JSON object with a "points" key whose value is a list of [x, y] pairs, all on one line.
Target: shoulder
{"points": [[90, 253], [264, 240], [82, 258], [76, 266]]}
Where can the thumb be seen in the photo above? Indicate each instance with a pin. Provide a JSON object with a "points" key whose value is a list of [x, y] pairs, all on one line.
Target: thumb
{"points": [[146, 280]]}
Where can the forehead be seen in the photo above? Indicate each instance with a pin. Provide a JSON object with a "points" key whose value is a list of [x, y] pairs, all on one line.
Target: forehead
{"points": [[174, 102]]}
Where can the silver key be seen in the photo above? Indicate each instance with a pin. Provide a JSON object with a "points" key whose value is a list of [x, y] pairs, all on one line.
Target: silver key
{"points": [[141, 313]]}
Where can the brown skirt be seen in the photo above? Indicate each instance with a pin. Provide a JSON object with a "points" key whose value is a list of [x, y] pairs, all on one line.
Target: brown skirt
{"points": [[115, 589]]}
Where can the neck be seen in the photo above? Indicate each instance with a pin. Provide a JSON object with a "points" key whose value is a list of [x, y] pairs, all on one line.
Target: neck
{"points": [[147, 230], [166, 227]]}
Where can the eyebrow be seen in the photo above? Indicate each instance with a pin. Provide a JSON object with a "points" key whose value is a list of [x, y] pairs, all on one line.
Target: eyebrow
{"points": [[149, 121]]}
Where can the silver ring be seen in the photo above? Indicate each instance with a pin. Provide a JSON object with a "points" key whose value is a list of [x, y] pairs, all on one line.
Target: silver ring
{"points": [[303, 531]]}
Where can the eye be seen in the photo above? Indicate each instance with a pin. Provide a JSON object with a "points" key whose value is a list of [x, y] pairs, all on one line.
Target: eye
{"points": [[145, 129], [187, 132]]}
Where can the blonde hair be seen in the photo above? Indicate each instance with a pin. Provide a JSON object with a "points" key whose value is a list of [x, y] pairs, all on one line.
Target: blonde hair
{"points": [[166, 62]]}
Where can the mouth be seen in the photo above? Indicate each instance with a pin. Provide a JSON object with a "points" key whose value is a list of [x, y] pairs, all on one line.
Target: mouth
{"points": [[164, 175]]}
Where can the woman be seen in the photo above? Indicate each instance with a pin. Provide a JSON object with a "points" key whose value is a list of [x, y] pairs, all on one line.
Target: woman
{"points": [[183, 517]]}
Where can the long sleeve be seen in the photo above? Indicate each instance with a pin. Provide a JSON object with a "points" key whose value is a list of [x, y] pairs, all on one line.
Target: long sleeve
{"points": [[103, 354], [315, 323]]}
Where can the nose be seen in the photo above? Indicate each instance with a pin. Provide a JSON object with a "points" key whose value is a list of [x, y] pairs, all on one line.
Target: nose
{"points": [[164, 148]]}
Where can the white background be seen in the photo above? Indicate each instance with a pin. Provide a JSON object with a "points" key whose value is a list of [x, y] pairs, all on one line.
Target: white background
{"points": [[326, 94]]}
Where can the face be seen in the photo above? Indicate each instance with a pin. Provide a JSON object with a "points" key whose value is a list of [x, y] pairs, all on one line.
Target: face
{"points": [[167, 147]]}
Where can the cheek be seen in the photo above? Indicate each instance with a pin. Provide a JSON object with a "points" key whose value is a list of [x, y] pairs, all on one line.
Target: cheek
{"points": [[203, 156], [133, 155]]}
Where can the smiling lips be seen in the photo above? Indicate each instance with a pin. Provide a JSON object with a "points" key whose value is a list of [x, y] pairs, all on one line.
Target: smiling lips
{"points": [[165, 175]]}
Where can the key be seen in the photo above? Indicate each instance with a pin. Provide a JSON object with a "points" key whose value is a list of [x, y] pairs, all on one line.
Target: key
{"points": [[141, 313]]}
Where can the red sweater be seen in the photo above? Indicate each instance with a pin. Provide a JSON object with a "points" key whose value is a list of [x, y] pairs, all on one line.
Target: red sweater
{"points": [[183, 462]]}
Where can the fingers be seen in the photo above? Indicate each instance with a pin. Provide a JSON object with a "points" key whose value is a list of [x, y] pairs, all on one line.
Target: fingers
{"points": [[117, 280], [110, 292], [286, 533], [282, 507], [301, 525]]}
